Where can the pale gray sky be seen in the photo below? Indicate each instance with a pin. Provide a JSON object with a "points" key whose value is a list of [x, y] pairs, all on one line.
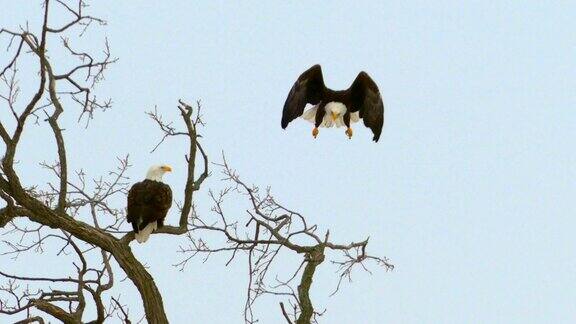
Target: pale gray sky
{"points": [[469, 192]]}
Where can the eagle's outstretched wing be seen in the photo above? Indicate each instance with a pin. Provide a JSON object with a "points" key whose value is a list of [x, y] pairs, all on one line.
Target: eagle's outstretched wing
{"points": [[307, 89], [366, 99]]}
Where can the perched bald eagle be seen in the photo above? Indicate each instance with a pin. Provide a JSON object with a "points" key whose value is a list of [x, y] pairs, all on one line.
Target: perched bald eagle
{"points": [[148, 203], [335, 108]]}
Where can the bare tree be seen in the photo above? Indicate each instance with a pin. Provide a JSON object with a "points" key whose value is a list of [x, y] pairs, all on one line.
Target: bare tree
{"points": [[77, 216]]}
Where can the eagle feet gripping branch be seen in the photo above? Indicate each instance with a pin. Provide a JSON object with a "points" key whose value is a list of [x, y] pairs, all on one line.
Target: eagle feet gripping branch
{"points": [[362, 100], [149, 202]]}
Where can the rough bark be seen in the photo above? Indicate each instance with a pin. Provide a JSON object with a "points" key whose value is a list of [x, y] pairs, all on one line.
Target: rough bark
{"points": [[314, 259]]}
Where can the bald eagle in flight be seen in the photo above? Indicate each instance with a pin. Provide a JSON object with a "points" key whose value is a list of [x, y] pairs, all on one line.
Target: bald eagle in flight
{"points": [[335, 108], [148, 203]]}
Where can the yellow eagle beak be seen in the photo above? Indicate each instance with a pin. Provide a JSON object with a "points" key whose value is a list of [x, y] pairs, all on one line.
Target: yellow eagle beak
{"points": [[166, 168], [334, 116]]}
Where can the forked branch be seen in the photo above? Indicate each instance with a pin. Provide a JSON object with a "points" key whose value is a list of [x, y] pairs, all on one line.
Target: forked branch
{"points": [[268, 229]]}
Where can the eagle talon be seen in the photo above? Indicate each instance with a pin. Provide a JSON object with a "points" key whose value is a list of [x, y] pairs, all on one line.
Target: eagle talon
{"points": [[315, 132], [349, 133]]}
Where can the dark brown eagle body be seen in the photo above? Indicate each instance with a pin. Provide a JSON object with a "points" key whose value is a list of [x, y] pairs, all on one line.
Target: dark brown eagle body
{"points": [[362, 97], [148, 202]]}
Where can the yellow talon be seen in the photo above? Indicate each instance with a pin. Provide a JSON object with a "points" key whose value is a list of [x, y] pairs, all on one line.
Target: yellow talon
{"points": [[315, 132], [349, 133]]}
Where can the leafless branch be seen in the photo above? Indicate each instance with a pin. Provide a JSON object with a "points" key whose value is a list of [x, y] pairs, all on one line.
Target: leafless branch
{"points": [[269, 229], [193, 182], [58, 211]]}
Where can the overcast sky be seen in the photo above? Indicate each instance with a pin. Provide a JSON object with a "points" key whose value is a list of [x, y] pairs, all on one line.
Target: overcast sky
{"points": [[470, 191]]}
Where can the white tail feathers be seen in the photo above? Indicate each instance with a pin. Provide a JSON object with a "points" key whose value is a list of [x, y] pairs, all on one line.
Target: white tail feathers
{"points": [[144, 234], [310, 114], [354, 117]]}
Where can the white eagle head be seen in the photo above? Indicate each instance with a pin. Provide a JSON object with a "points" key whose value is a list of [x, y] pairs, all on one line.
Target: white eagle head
{"points": [[156, 172], [336, 110]]}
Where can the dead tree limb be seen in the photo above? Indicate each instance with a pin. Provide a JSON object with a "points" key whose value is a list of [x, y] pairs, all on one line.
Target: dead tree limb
{"points": [[270, 228]]}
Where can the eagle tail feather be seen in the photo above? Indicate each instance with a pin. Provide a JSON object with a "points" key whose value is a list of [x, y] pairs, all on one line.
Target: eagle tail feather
{"points": [[310, 114], [143, 235]]}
